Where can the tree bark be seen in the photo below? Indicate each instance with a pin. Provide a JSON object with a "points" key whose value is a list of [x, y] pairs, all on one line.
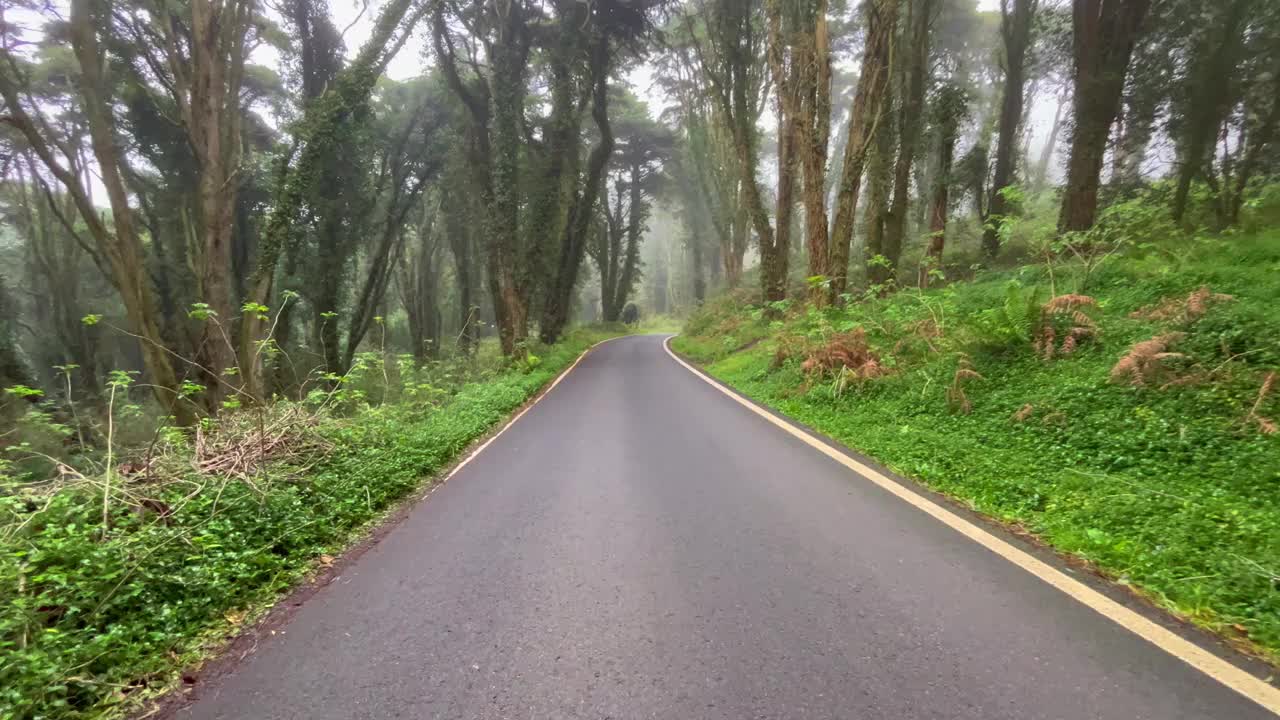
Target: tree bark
{"points": [[461, 243], [120, 245], [734, 91], [865, 116], [803, 82], [774, 255], [346, 97], [582, 204], [878, 267], [1258, 140], [206, 89], [1015, 30], [1211, 98], [510, 51], [910, 113], [939, 205], [1104, 33]]}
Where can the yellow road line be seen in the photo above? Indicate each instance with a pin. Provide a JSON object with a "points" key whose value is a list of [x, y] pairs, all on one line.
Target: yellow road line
{"points": [[1253, 688]]}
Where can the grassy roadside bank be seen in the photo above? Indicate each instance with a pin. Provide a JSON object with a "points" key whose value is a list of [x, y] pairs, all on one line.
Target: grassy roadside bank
{"points": [[1156, 461], [96, 616]]}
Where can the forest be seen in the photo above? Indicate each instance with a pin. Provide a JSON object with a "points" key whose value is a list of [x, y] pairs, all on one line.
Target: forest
{"points": [[271, 262], [228, 201]]}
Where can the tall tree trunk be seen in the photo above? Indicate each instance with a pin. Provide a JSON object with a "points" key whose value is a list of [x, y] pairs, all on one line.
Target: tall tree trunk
{"points": [[1211, 98], [461, 243], [865, 116], [878, 268], [1138, 122], [207, 91], [13, 368], [1257, 140], [774, 255], [939, 204], [609, 238], [734, 255], [628, 258], [503, 218], [1015, 30], [347, 97], [418, 279], [696, 268], [119, 246], [714, 267], [731, 83], [582, 205], [800, 61], [1103, 32], [910, 113]]}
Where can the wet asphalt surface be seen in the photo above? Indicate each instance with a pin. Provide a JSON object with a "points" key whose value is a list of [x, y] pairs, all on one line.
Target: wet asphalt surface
{"points": [[640, 546]]}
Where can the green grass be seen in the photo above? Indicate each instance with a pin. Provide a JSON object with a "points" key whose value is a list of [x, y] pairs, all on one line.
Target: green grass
{"points": [[88, 626], [1172, 490]]}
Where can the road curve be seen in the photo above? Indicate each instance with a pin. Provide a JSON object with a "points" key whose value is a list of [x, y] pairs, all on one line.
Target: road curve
{"points": [[641, 546]]}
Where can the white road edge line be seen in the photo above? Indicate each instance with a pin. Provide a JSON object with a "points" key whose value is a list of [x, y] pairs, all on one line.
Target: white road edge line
{"points": [[458, 468], [1244, 683]]}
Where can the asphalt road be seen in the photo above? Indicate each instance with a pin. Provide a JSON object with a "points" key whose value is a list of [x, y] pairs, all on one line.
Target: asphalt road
{"points": [[641, 546]]}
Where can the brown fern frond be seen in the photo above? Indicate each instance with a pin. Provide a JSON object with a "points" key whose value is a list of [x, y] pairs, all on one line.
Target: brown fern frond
{"points": [[845, 355], [1064, 319], [1023, 413], [1266, 425], [1145, 360], [957, 399], [1182, 310], [1082, 320], [1068, 302]]}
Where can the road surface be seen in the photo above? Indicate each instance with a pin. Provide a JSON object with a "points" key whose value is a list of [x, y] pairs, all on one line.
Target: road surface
{"points": [[640, 546]]}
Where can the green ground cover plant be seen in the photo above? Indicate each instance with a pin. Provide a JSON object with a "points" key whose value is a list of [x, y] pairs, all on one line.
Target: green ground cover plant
{"points": [[115, 579], [1124, 412]]}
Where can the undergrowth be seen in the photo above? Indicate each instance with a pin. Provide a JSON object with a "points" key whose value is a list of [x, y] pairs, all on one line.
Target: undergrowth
{"points": [[204, 530], [1129, 419]]}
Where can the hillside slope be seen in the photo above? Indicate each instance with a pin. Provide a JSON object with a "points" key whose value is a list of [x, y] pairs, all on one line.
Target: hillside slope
{"points": [[1125, 415]]}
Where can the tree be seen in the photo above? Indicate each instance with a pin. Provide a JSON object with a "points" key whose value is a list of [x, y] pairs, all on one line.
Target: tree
{"points": [[200, 56], [920, 18], [1148, 90], [709, 144], [643, 148], [949, 109], [1212, 90], [1260, 118], [327, 121], [800, 58], [117, 242], [409, 156], [865, 116], [575, 199], [729, 57], [418, 278], [1104, 33], [1015, 33]]}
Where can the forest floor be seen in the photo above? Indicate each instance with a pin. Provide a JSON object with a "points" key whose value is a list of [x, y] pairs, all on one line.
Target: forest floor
{"points": [[204, 539], [1145, 444]]}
